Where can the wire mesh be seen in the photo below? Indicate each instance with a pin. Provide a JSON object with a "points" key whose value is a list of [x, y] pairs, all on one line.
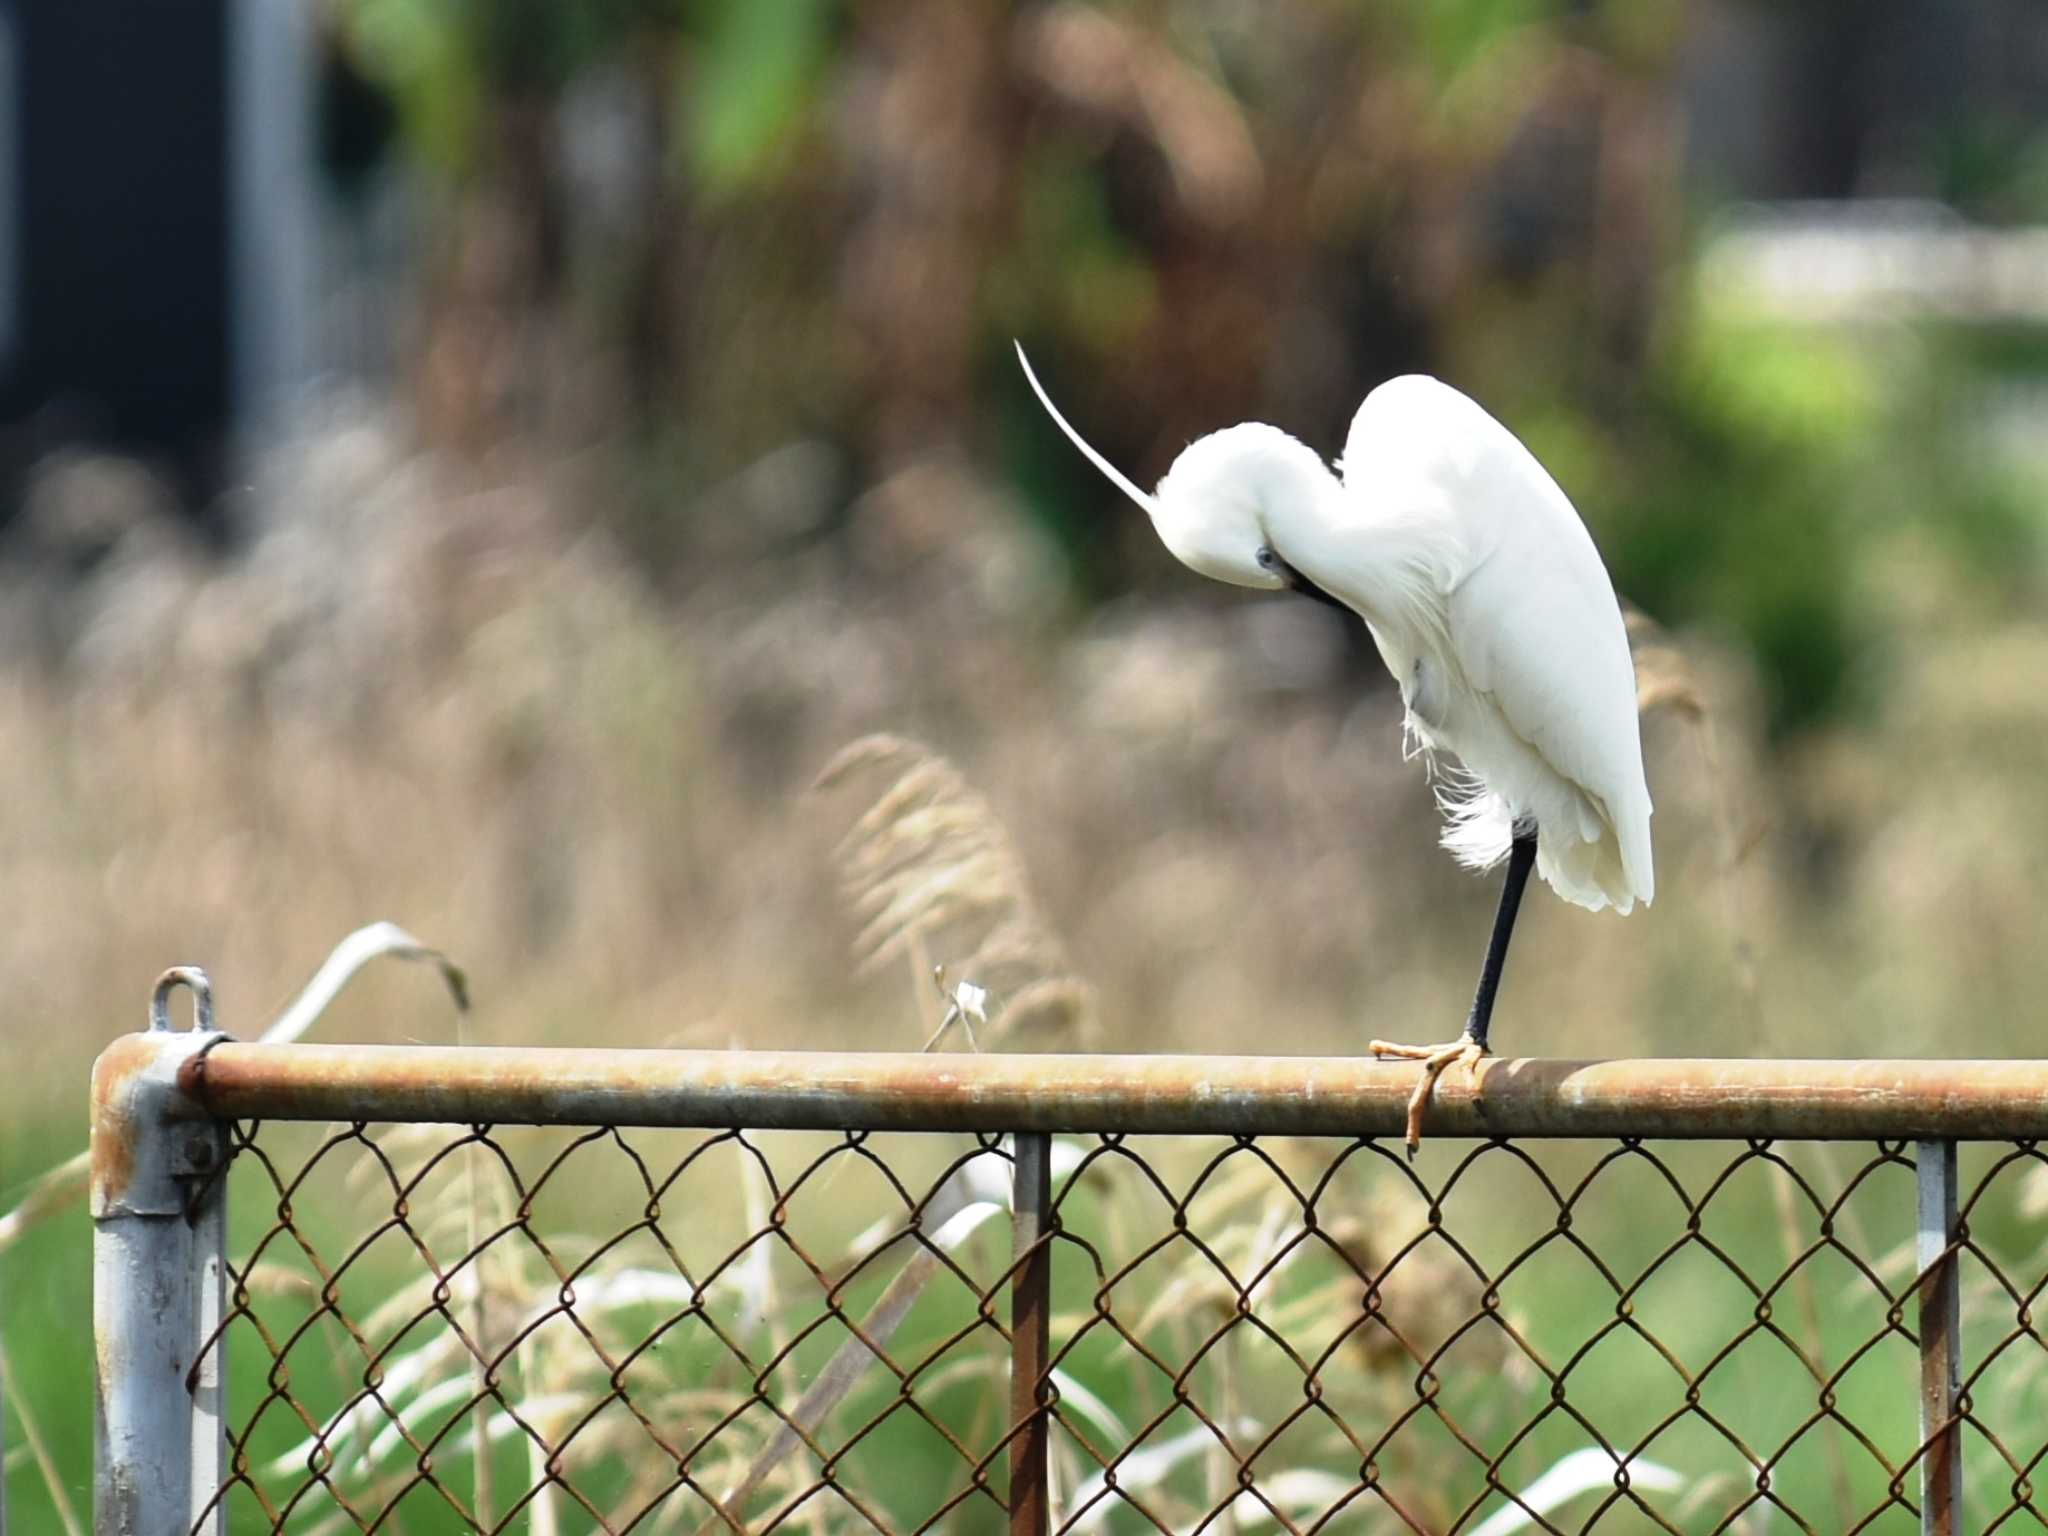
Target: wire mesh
{"points": [[443, 1328]]}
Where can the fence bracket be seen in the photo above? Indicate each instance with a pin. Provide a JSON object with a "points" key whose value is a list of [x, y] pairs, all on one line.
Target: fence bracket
{"points": [[159, 1212]]}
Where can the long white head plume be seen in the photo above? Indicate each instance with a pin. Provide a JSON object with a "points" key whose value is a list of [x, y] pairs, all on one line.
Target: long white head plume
{"points": [[1117, 477]]}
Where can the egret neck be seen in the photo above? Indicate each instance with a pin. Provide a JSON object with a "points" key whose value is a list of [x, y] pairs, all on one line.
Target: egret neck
{"points": [[1254, 483]]}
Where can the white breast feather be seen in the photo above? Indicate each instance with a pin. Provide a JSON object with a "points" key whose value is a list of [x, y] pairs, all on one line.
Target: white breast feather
{"points": [[1541, 690]]}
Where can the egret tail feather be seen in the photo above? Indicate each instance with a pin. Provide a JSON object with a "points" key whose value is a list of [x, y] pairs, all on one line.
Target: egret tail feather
{"points": [[1479, 825]]}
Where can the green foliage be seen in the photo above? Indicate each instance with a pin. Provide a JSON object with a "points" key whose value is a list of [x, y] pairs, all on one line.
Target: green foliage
{"points": [[1754, 524], [1993, 166], [756, 70], [1766, 466], [446, 61], [422, 53], [48, 1276], [1458, 185], [1453, 34], [1770, 389], [1103, 286]]}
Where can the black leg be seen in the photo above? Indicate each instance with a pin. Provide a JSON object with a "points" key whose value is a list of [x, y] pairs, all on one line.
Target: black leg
{"points": [[1521, 859]]}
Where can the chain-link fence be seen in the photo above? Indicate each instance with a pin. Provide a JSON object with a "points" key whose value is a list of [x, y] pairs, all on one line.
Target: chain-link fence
{"points": [[558, 1291]]}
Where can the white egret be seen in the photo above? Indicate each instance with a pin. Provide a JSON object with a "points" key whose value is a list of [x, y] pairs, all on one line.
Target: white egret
{"points": [[1490, 606]]}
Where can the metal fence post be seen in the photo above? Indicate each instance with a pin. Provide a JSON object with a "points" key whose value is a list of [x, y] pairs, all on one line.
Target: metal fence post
{"points": [[1941, 1339], [159, 1211], [1030, 1333]]}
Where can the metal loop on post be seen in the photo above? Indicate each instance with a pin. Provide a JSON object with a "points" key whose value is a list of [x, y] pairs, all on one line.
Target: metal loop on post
{"points": [[195, 981]]}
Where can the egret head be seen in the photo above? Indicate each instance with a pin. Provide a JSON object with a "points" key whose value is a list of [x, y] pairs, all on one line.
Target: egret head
{"points": [[1216, 507]]}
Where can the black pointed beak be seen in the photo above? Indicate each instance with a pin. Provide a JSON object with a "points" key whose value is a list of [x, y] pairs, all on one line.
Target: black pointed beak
{"points": [[1300, 583]]}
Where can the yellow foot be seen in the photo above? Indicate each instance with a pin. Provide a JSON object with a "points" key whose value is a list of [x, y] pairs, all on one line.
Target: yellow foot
{"points": [[1436, 1060]]}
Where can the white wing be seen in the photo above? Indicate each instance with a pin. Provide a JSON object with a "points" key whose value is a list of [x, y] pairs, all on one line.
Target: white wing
{"points": [[1531, 620]]}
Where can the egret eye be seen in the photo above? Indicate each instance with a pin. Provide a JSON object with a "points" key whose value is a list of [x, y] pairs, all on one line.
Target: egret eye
{"points": [[1268, 559]]}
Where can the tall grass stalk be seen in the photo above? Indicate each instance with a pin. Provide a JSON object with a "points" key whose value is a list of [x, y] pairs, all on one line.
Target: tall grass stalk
{"points": [[53, 1482]]}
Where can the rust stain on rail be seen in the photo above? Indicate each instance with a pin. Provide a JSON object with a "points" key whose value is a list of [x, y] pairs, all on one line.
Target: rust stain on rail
{"points": [[1141, 1094]]}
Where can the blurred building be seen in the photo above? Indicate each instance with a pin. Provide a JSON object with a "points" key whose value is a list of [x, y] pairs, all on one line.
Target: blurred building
{"points": [[155, 227], [1880, 98]]}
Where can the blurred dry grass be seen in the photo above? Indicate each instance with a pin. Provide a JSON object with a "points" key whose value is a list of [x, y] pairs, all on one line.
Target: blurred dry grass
{"points": [[425, 690], [428, 692]]}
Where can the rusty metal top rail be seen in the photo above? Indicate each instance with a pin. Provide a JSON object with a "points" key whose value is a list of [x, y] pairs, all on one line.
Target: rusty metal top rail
{"points": [[1228, 1095]]}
